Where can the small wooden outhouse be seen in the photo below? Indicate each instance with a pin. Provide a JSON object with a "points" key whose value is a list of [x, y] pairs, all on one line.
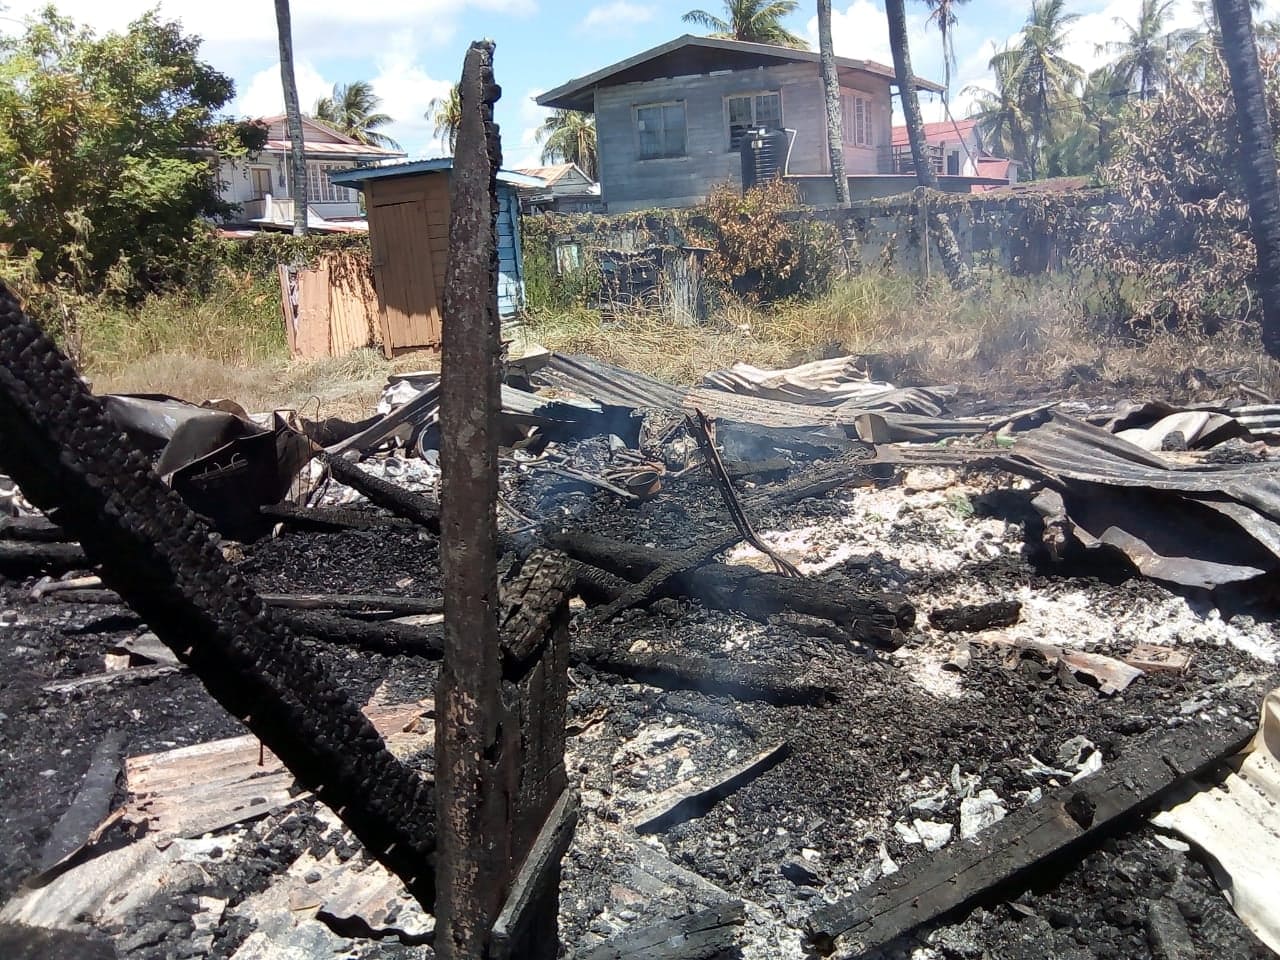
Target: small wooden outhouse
{"points": [[408, 209]]}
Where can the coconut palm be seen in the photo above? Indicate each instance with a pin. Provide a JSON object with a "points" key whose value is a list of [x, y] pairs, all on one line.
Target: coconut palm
{"points": [[831, 91], [1257, 157], [353, 110], [1047, 79], [446, 113], [943, 13], [757, 21], [1142, 57], [1002, 122], [896, 13], [570, 137], [1088, 143], [293, 119]]}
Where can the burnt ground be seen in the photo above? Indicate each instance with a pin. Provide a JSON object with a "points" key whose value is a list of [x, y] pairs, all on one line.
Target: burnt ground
{"points": [[823, 822]]}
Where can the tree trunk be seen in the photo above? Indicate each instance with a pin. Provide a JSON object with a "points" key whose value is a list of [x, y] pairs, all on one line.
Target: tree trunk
{"points": [[293, 117], [896, 12], [831, 87], [1257, 157]]}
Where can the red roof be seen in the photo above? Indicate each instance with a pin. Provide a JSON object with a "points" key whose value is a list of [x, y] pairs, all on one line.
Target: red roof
{"points": [[937, 133]]}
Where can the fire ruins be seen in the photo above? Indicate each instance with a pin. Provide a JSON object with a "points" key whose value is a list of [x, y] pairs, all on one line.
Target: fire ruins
{"points": [[552, 658]]}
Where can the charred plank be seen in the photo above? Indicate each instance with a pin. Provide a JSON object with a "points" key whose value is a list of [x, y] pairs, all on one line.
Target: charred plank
{"points": [[1068, 821], [972, 618], [406, 504], [699, 936], [22, 558]]}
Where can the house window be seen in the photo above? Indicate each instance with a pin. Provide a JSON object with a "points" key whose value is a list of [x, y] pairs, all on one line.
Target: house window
{"points": [[855, 117], [660, 127], [749, 111], [319, 187]]}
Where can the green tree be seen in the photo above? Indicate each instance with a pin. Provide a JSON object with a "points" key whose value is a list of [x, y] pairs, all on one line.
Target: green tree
{"points": [[1143, 56], [353, 110], [1046, 78], [100, 186], [569, 136], [1002, 122], [1090, 141], [756, 21], [446, 113]]}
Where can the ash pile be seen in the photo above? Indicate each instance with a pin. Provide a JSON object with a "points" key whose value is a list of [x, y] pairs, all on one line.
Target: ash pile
{"points": [[855, 669]]}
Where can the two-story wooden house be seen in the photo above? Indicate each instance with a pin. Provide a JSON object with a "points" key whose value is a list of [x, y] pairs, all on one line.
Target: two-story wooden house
{"points": [[670, 121]]}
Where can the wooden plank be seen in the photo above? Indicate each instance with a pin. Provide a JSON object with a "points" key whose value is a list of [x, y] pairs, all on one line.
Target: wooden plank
{"points": [[533, 880], [1069, 819], [698, 936], [353, 303], [313, 312], [286, 309], [685, 801]]}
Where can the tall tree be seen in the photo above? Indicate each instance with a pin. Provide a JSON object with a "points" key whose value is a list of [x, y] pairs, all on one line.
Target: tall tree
{"points": [[1047, 78], [353, 110], [895, 12], [1142, 57], [1257, 157], [293, 118], [99, 186], [569, 136], [446, 113], [1002, 122], [756, 21], [831, 88]]}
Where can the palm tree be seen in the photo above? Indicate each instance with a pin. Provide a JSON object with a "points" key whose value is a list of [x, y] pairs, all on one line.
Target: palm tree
{"points": [[293, 118], [1002, 123], [831, 89], [1257, 157], [1046, 77], [757, 21], [943, 13], [353, 110], [1143, 56], [1089, 143], [570, 137], [446, 113], [896, 13]]}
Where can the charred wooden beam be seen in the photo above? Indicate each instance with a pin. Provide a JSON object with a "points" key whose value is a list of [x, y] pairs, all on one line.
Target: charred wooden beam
{"points": [[66, 454], [389, 639], [1067, 821], [24, 558], [694, 800], [878, 619], [725, 678], [701, 935], [416, 507], [332, 518], [813, 485], [999, 613], [32, 529]]}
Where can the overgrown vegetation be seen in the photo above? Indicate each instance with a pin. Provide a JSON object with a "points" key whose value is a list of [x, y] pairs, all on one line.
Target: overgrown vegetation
{"points": [[1175, 237]]}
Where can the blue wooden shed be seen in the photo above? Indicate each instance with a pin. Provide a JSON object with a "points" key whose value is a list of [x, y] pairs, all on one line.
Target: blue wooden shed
{"points": [[408, 210]]}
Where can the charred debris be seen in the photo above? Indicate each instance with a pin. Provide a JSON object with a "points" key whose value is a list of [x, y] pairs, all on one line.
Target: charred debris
{"points": [[598, 549]]}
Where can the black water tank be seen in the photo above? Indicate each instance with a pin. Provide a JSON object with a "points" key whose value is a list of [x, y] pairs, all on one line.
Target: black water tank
{"points": [[764, 156]]}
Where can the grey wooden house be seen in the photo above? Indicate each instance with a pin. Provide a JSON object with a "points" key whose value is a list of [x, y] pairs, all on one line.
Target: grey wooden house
{"points": [[670, 121]]}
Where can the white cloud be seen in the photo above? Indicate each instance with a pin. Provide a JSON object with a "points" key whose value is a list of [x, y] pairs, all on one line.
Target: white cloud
{"points": [[406, 90], [615, 16], [527, 151], [263, 95]]}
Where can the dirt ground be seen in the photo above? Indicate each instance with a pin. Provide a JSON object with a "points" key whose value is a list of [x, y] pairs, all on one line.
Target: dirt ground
{"points": [[904, 740]]}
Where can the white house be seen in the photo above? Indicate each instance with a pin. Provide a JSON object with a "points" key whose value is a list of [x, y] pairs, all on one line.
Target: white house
{"points": [[259, 183]]}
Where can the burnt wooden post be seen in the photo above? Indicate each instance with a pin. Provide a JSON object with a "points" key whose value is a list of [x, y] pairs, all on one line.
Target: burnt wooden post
{"points": [[504, 816]]}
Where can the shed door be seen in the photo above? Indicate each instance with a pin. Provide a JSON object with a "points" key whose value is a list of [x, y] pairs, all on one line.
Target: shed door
{"points": [[402, 268]]}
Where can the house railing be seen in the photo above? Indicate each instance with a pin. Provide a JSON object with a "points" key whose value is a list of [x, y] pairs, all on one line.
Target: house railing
{"points": [[274, 209], [900, 161]]}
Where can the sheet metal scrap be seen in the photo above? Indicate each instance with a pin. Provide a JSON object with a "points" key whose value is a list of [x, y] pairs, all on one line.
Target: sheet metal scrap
{"points": [[1202, 526]]}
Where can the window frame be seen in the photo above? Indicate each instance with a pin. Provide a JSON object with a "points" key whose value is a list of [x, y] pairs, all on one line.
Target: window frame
{"points": [[328, 191], [753, 96], [661, 106], [849, 100]]}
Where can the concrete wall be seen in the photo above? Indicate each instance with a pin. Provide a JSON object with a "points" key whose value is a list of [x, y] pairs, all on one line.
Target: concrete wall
{"points": [[630, 183]]}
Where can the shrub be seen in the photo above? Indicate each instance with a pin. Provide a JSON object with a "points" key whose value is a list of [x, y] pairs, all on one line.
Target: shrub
{"points": [[758, 253]]}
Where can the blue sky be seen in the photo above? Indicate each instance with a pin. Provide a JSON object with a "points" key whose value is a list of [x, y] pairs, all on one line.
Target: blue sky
{"points": [[412, 49]]}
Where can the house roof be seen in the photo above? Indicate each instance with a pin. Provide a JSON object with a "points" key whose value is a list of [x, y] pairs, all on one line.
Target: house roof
{"points": [[554, 173], [358, 176], [689, 55], [335, 144], [936, 133]]}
